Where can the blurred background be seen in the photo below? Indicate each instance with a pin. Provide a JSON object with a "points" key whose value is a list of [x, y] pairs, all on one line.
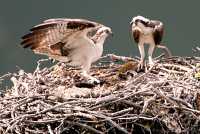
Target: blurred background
{"points": [[181, 19]]}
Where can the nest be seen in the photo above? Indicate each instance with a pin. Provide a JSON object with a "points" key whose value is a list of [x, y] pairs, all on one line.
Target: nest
{"points": [[57, 100]]}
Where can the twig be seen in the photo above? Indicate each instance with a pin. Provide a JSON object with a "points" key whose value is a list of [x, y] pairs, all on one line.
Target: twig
{"points": [[188, 109], [121, 112], [186, 69], [139, 117], [85, 126], [160, 93], [119, 58], [120, 99], [178, 100], [49, 129], [146, 103], [5, 75], [39, 63]]}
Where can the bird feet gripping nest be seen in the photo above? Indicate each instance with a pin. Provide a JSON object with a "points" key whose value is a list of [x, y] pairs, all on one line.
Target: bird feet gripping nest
{"points": [[90, 79]]}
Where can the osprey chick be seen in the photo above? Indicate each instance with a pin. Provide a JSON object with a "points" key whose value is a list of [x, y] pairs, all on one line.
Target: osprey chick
{"points": [[77, 42], [146, 31]]}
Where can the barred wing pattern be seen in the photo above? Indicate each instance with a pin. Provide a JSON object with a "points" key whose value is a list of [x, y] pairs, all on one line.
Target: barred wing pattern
{"points": [[50, 37]]}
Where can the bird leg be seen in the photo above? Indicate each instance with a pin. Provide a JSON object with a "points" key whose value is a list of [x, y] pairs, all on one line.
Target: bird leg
{"points": [[142, 56], [84, 73], [91, 80], [150, 53]]}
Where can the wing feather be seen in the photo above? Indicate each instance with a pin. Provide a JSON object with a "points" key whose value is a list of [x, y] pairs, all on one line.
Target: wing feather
{"points": [[158, 31], [136, 31], [47, 37]]}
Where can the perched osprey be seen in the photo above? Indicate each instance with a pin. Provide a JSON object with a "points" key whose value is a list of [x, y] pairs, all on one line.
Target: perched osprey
{"points": [[146, 31], [77, 42]]}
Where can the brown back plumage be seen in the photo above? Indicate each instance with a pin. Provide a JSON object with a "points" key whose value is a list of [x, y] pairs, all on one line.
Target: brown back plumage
{"points": [[158, 31], [136, 34]]}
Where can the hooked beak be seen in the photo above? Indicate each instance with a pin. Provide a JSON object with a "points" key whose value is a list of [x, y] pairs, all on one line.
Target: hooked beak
{"points": [[111, 33]]}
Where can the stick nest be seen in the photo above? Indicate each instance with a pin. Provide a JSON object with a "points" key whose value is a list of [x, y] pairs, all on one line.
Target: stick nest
{"points": [[162, 99]]}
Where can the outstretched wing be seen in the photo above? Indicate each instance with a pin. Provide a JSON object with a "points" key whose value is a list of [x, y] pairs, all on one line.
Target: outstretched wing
{"points": [[50, 36], [158, 31]]}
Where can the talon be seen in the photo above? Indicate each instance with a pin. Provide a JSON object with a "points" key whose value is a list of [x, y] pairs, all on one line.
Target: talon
{"points": [[140, 66], [93, 80], [151, 61], [151, 64]]}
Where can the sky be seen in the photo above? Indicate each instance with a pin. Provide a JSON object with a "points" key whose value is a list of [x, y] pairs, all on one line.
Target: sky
{"points": [[181, 20]]}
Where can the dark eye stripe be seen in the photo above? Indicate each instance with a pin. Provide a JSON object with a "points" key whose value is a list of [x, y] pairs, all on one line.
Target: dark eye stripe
{"points": [[107, 31], [143, 22]]}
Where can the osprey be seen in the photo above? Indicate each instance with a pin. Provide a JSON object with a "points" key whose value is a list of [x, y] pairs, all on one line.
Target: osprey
{"points": [[146, 31], [77, 42]]}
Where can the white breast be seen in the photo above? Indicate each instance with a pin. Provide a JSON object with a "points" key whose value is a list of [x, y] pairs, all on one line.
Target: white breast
{"points": [[146, 36], [147, 39], [145, 30], [86, 51]]}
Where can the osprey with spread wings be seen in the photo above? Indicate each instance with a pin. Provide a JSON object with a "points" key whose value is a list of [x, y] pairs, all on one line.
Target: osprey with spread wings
{"points": [[77, 42]]}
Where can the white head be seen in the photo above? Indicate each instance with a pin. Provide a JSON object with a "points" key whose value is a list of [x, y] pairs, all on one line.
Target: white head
{"points": [[139, 19], [101, 34], [104, 31]]}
